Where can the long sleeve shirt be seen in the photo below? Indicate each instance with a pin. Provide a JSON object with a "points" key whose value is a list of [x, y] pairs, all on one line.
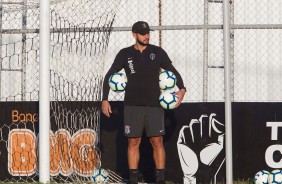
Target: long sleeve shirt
{"points": [[142, 71]]}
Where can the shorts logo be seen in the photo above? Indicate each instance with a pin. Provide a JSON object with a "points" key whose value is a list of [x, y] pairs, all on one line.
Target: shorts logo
{"points": [[127, 129]]}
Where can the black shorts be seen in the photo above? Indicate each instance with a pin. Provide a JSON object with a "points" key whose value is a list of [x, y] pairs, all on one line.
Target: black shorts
{"points": [[140, 118]]}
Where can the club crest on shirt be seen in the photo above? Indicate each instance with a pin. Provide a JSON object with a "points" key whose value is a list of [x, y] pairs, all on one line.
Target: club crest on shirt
{"points": [[152, 56], [127, 129]]}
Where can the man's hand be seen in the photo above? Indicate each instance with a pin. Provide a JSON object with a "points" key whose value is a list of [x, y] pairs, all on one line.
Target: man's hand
{"points": [[180, 95], [106, 108]]}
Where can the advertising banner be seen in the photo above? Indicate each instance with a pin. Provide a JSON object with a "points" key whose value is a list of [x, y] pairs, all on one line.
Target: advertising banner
{"points": [[194, 140]]}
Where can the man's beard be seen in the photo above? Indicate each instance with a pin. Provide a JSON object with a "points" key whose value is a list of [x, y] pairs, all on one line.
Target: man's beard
{"points": [[141, 43]]}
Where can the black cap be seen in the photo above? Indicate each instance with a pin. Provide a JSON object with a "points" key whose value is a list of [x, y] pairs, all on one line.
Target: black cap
{"points": [[141, 27]]}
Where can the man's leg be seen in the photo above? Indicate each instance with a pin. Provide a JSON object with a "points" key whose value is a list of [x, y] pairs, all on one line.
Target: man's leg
{"points": [[159, 157], [133, 155]]}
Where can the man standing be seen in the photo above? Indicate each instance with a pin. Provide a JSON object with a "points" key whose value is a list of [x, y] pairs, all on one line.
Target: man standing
{"points": [[142, 63]]}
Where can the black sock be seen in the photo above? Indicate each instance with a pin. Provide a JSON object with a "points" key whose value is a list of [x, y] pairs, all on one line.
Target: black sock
{"points": [[133, 175], [160, 175]]}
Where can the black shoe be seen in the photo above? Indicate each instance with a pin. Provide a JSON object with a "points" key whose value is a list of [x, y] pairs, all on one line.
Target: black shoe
{"points": [[133, 182], [133, 176], [161, 182]]}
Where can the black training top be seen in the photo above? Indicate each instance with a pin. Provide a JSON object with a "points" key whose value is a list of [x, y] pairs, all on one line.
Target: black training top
{"points": [[142, 71]]}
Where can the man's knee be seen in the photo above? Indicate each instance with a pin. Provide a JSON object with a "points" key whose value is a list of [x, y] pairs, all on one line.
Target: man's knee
{"points": [[134, 142], [157, 142]]}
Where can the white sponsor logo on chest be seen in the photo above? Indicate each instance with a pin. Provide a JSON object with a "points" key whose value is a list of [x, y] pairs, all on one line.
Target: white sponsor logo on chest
{"points": [[130, 65]]}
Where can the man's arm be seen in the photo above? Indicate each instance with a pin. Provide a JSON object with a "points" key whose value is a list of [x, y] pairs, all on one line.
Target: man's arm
{"points": [[106, 107], [106, 87], [179, 80], [116, 66], [179, 83], [166, 64]]}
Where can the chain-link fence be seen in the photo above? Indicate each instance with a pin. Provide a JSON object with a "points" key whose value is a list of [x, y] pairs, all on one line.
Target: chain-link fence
{"points": [[86, 35], [190, 31]]}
